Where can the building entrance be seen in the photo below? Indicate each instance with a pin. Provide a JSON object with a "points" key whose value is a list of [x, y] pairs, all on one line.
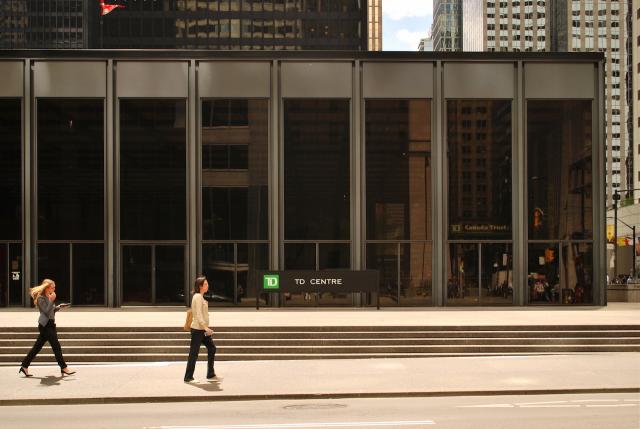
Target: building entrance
{"points": [[480, 274]]}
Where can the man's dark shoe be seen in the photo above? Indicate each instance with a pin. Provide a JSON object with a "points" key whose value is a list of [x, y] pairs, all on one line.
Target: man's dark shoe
{"points": [[188, 380], [210, 376]]}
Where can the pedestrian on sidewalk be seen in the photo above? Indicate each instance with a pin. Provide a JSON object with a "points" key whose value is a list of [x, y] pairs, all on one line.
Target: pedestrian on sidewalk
{"points": [[44, 297], [200, 331]]}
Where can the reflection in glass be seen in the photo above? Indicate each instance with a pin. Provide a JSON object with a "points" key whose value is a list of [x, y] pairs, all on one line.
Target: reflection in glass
{"points": [[299, 257], [576, 276], [70, 139], [334, 257], [88, 274], [480, 274], [398, 155], [136, 275], [218, 265], [496, 278], [53, 263], [15, 269], [463, 282], [169, 275], [559, 141], [415, 274], [544, 273], [4, 275], [251, 258], [384, 258], [10, 169], [316, 169], [479, 155], [152, 169], [235, 169]]}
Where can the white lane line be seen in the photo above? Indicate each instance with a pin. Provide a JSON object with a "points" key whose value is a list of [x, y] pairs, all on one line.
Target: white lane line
{"points": [[612, 405], [541, 403], [305, 425], [596, 400], [632, 400], [550, 406], [487, 406]]}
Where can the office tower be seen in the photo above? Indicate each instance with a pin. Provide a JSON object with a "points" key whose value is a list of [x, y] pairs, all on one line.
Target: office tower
{"points": [[374, 30], [44, 24], [238, 24], [566, 26], [446, 29]]}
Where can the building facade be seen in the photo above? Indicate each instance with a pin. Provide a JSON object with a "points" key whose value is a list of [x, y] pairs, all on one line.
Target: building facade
{"points": [[635, 96], [45, 24], [374, 29], [237, 25], [125, 174], [446, 29], [568, 26]]}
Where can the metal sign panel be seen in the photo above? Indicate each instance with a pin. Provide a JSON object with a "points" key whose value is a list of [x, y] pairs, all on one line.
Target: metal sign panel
{"points": [[316, 79], [234, 79], [310, 281], [70, 79], [563, 81], [479, 80], [152, 79], [397, 80], [12, 83]]}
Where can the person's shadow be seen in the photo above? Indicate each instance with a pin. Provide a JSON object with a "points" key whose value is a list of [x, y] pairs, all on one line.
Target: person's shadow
{"points": [[51, 380], [212, 385]]}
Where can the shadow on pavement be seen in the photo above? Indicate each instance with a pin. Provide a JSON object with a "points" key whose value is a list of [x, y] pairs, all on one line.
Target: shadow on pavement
{"points": [[208, 385]]}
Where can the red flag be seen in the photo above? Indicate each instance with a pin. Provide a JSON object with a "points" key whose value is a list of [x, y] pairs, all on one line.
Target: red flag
{"points": [[106, 8]]}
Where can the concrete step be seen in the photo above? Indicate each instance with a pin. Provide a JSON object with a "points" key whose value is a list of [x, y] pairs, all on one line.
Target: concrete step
{"points": [[48, 358], [308, 329], [99, 334], [164, 350], [145, 342]]}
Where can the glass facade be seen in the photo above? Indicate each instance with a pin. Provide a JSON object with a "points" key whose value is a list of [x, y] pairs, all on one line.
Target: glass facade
{"points": [[398, 209], [235, 197], [70, 197], [480, 216], [488, 197], [560, 201], [317, 185], [238, 24], [45, 24], [153, 200], [11, 208]]}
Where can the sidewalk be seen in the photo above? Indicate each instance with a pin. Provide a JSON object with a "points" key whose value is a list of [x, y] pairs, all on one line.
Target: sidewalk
{"points": [[613, 314], [317, 379]]}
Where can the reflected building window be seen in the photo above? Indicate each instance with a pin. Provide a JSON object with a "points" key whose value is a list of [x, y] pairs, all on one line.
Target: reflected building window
{"points": [[560, 201], [235, 192], [399, 211]]}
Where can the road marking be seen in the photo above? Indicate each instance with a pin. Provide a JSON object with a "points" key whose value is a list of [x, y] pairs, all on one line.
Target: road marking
{"points": [[487, 406], [305, 425], [541, 403], [595, 400], [612, 405], [550, 406]]}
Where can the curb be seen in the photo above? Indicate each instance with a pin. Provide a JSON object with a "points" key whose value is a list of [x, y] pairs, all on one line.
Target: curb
{"points": [[306, 396]]}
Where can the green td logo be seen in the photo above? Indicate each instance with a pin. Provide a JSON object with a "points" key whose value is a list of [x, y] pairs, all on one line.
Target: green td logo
{"points": [[271, 281]]}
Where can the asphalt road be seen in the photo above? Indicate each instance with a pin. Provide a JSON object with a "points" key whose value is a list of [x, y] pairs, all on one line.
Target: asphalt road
{"points": [[616, 411]]}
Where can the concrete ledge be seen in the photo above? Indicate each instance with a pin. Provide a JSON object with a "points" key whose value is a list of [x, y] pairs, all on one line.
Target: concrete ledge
{"points": [[305, 396]]}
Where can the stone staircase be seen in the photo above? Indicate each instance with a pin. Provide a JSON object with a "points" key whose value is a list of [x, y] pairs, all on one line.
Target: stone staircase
{"points": [[85, 345]]}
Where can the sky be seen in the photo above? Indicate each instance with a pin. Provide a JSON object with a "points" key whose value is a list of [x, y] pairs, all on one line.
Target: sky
{"points": [[404, 23]]}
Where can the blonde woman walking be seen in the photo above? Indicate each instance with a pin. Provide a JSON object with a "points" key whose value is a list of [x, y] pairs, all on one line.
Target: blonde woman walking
{"points": [[200, 331], [44, 297]]}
